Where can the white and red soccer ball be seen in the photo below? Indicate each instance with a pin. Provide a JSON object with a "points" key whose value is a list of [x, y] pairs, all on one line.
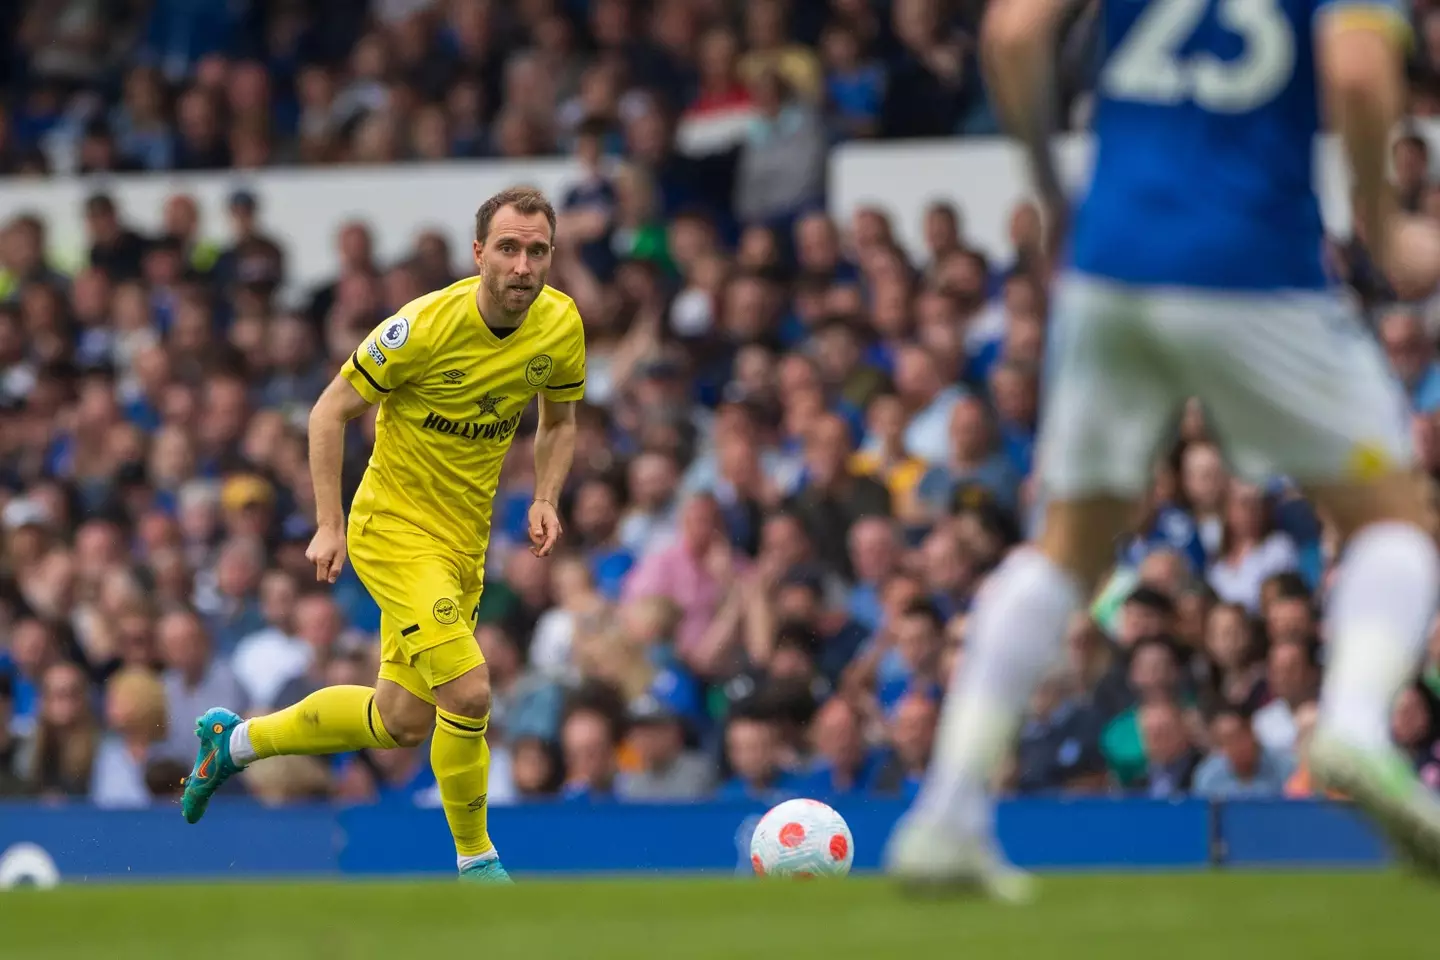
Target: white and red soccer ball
{"points": [[804, 839]]}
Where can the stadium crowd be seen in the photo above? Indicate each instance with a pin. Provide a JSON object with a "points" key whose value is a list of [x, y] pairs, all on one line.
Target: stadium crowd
{"points": [[802, 449]]}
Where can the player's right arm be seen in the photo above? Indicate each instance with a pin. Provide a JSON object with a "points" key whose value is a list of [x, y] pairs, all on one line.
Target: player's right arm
{"points": [[388, 358], [1360, 44], [337, 406]]}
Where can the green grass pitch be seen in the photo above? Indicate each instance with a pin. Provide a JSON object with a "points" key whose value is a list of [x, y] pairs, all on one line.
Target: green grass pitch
{"points": [[1205, 916]]}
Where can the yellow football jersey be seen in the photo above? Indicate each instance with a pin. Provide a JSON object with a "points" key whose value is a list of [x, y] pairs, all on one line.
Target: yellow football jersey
{"points": [[451, 394]]}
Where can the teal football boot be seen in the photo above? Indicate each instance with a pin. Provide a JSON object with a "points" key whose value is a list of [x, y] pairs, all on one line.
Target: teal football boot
{"points": [[213, 765], [486, 871]]}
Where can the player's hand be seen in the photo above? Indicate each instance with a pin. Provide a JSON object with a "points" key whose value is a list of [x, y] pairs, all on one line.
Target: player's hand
{"points": [[1411, 258], [327, 552], [544, 527]]}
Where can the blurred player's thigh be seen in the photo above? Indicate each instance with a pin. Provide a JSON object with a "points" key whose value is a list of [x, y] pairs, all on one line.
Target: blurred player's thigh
{"points": [[428, 596], [1293, 384], [1109, 394]]}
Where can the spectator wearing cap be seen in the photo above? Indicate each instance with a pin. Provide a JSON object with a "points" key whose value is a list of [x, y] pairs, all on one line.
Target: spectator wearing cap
{"points": [[667, 769], [12, 783], [1238, 766], [135, 714], [194, 680]]}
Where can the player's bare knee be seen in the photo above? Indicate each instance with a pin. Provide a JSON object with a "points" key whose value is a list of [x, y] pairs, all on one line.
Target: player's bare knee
{"points": [[1350, 507], [468, 695], [1079, 536], [406, 717]]}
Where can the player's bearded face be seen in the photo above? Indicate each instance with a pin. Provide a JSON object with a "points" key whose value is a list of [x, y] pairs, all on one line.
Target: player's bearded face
{"points": [[515, 260]]}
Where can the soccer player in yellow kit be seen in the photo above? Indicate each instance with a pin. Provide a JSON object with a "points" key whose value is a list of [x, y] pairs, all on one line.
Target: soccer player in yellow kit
{"points": [[452, 373]]}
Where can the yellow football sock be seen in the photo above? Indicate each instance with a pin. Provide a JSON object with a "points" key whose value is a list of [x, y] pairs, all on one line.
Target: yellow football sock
{"points": [[461, 761], [332, 720]]}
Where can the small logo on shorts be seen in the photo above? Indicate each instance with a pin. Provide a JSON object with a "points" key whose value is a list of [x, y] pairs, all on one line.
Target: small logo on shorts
{"points": [[445, 611], [537, 371], [1369, 460]]}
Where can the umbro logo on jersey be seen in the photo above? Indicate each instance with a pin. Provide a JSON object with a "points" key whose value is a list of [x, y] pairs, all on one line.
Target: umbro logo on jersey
{"points": [[453, 376]]}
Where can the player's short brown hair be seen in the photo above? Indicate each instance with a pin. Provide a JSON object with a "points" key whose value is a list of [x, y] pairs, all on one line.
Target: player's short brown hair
{"points": [[525, 200]]}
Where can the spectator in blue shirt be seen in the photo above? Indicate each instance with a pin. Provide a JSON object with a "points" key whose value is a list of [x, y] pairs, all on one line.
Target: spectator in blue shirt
{"points": [[912, 665], [1170, 757], [752, 752], [1238, 766], [975, 459], [912, 738], [588, 738], [1059, 747], [855, 83], [842, 765], [595, 512]]}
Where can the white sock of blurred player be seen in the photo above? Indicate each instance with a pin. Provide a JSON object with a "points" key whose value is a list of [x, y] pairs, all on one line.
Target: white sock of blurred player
{"points": [[1377, 623]]}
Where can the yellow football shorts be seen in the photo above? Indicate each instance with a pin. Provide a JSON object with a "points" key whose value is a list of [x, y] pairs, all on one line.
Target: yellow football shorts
{"points": [[428, 596]]}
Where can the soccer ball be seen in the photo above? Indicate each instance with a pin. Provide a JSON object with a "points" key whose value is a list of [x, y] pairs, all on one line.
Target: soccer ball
{"points": [[804, 839]]}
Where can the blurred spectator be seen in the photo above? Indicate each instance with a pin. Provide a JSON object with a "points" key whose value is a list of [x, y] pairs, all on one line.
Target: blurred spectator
{"points": [[1293, 677], [1239, 766], [666, 769], [589, 737], [1171, 759], [135, 712], [1249, 550], [194, 680], [12, 782]]}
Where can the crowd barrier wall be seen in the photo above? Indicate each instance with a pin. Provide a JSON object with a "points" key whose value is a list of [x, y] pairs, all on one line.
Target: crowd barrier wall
{"points": [[243, 840]]}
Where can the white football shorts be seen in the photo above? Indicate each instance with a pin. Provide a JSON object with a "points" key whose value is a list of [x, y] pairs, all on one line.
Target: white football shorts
{"points": [[1292, 382]]}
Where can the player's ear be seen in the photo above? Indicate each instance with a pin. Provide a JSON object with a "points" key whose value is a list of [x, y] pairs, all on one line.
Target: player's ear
{"points": [[477, 247]]}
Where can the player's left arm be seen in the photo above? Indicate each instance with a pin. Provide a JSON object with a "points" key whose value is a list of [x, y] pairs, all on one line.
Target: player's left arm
{"points": [[555, 437], [554, 452], [1019, 40]]}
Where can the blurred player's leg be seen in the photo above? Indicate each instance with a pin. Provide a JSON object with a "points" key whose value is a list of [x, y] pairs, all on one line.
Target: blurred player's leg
{"points": [[1108, 401], [1304, 391]]}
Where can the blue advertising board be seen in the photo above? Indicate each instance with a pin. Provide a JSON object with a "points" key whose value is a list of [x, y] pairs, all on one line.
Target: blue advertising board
{"points": [[239, 839]]}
